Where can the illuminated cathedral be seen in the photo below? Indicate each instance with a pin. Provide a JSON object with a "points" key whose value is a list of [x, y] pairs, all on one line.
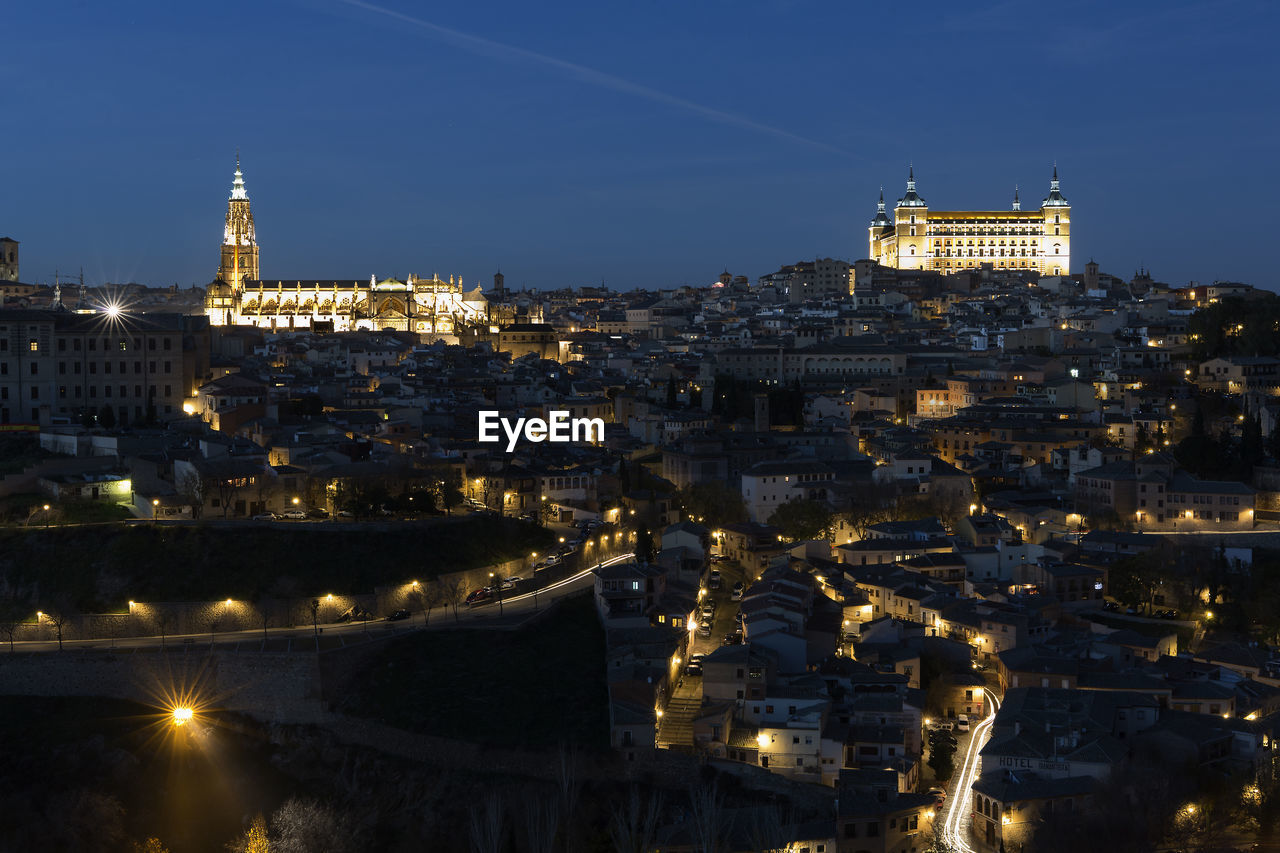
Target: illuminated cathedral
{"points": [[240, 297]]}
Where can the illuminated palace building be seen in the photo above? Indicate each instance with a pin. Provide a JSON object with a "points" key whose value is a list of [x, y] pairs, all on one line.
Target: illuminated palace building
{"points": [[238, 296], [949, 241]]}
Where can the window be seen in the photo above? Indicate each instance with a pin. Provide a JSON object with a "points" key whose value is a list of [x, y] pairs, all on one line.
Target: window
{"points": [[33, 345], [35, 368]]}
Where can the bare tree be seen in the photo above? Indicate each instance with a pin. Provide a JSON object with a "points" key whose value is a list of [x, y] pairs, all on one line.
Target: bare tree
{"points": [[212, 621], [453, 591], [424, 597], [541, 821], [10, 627], [303, 826], [488, 824], [766, 830], [710, 822], [634, 826], [568, 777], [164, 620], [58, 619]]}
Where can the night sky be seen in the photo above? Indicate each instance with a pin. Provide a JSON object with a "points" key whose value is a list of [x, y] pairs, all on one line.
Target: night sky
{"points": [[647, 144]]}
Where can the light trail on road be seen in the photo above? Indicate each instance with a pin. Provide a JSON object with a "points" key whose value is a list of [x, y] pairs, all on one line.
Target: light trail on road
{"points": [[572, 579], [956, 808]]}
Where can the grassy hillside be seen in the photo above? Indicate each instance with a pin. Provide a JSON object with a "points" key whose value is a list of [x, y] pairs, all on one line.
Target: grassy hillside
{"points": [[531, 688], [99, 567]]}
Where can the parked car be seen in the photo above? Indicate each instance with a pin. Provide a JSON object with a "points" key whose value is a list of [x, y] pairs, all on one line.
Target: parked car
{"points": [[480, 596], [938, 793], [346, 513], [398, 615], [713, 579], [553, 559], [943, 725], [704, 629], [318, 513], [734, 639], [697, 657], [694, 668], [962, 723], [265, 516], [297, 514], [736, 595], [510, 583], [1110, 605]]}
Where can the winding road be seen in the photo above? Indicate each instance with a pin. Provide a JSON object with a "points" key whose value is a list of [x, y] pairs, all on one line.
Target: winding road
{"points": [[955, 829]]}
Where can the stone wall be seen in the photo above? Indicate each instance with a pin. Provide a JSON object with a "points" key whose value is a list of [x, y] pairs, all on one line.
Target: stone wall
{"points": [[269, 686]]}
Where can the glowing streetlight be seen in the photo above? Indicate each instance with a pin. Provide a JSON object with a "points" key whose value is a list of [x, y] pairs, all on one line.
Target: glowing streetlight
{"points": [[762, 740], [182, 715], [295, 501]]}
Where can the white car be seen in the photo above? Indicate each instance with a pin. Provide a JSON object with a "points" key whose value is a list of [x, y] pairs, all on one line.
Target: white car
{"points": [[962, 723], [295, 513]]}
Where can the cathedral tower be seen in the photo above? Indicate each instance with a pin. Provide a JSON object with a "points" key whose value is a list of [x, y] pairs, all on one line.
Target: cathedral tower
{"points": [[239, 244]]}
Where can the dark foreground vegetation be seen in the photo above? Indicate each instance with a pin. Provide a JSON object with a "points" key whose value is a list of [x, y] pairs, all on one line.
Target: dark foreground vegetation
{"points": [[96, 568], [536, 687]]}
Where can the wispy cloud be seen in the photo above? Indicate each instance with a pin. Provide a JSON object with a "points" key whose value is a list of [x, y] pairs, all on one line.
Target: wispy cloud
{"points": [[510, 53]]}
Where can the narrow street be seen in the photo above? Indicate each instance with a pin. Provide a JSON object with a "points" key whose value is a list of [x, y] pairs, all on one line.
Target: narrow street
{"points": [[957, 812]]}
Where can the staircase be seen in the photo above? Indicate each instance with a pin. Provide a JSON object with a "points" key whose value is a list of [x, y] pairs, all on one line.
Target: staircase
{"points": [[675, 729]]}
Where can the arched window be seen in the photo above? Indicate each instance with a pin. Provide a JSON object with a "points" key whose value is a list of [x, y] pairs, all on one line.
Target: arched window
{"points": [[1057, 218], [1057, 248], [913, 250]]}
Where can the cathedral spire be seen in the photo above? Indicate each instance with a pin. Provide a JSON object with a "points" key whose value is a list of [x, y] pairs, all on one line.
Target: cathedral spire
{"points": [[1017, 205], [237, 183]]}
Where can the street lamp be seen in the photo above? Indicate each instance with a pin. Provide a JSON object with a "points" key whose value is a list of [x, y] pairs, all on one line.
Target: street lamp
{"points": [[182, 715], [46, 516], [496, 584], [155, 509]]}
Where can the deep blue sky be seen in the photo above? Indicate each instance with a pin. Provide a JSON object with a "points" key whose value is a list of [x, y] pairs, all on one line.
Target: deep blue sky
{"points": [[646, 143]]}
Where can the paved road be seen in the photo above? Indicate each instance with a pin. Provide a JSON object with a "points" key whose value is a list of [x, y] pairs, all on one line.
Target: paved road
{"points": [[958, 809], [512, 610]]}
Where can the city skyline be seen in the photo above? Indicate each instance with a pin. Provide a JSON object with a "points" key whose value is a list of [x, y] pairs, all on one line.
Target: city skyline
{"points": [[564, 156]]}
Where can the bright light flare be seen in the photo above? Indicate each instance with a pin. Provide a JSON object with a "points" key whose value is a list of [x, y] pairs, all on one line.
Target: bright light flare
{"points": [[182, 715]]}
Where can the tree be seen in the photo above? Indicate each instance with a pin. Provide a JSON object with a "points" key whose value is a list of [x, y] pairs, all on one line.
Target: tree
{"points": [[453, 591], [541, 821], [624, 476], [942, 752], [714, 503], [163, 619], [11, 618], [1134, 580], [194, 488], [254, 840], [634, 826], [58, 619], [645, 549], [425, 596], [304, 826], [801, 519], [151, 845], [488, 824]]}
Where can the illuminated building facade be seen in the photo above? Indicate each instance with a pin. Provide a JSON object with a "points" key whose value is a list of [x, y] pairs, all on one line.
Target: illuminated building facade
{"points": [[240, 297], [949, 241]]}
